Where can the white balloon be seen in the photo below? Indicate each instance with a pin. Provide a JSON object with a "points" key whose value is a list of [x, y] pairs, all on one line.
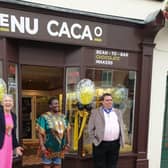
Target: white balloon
{"points": [[85, 91]]}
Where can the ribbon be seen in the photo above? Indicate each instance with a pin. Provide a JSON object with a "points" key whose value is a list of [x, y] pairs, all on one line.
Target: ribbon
{"points": [[78, 133], [75, 141], [84, 115]]}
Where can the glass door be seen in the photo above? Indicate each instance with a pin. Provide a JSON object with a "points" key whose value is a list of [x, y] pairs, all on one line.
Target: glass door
{"points": [[27, 111], [39, 83]]}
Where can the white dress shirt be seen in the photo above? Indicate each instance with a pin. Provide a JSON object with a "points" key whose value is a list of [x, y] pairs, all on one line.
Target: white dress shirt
{"points": [[112, 128]]}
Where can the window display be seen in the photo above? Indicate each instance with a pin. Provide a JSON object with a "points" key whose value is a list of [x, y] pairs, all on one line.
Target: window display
{"points": [[72, 78], [121, 84]]}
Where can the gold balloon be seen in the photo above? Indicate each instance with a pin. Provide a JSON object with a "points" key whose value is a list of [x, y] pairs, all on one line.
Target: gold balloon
{"points": [[85, 91], [3, 89], [119, 95]]}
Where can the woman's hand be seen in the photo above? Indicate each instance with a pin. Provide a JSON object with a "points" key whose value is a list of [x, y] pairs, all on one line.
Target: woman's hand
{"points": [[19, 151]]}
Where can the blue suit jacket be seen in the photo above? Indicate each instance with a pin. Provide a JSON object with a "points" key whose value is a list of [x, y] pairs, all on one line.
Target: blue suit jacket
{"points": [[2, 129]]}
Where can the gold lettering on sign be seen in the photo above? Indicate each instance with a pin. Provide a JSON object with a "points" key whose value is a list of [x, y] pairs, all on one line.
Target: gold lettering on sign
{"points": [[108, 57]]}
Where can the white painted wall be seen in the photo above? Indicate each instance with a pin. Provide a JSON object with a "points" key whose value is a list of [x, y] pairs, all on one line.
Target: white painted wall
{"points": [[137, 9], [158, 94]]}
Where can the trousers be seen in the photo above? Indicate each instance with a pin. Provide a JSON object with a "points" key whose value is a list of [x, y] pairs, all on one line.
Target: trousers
{"points": [[106, 154]]}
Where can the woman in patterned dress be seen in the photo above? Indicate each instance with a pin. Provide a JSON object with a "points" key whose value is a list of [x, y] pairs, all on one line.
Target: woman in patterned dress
{"points": [[8, 141]]}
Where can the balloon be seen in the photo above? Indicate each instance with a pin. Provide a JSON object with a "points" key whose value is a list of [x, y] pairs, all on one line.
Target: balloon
{"points": [[119, 94], [85, 91], [3, 89]]}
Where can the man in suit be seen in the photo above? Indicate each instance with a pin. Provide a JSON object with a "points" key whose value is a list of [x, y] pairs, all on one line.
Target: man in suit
{"points": [[106, 132]]}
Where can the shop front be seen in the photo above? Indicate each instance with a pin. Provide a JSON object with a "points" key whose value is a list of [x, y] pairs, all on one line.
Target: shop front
{"points": [[46, 53]]}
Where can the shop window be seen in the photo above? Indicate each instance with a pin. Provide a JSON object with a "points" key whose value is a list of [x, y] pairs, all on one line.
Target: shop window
{"points": [[13, 84], [3, 88], [13, 88], [1, 71], [72, 78], [106, 78], [116, 81]]}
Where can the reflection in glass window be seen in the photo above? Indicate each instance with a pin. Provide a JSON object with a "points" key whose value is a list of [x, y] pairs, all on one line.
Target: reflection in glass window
{"points": [[12, 84], [72, 78], [3, 86], [13, 88], [106, 78], [121, 84]]}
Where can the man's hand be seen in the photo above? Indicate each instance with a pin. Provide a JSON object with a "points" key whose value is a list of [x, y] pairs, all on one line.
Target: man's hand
{"points": [[43, 149], [67, 148]]}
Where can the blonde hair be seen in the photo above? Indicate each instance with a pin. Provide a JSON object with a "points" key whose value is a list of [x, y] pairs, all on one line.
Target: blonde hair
{"points": [[7, 95]]}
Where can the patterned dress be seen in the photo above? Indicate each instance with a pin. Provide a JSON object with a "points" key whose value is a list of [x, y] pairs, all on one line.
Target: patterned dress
{"points": [[53, 127], [6, 151]]}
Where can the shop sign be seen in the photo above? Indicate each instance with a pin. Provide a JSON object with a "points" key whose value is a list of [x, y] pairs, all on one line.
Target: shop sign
{"points": [[109, 57], [20, 24]]}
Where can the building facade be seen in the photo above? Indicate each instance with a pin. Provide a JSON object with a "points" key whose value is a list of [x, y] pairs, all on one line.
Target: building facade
{"points": [[45, 52]]}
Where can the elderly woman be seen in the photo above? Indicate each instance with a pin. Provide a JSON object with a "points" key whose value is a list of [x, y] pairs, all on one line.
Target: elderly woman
{"points": [[8, 141]]}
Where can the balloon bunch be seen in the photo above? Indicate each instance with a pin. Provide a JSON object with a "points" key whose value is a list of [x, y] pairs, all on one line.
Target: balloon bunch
{"points": [[119, 94], [3, 89], [85, 92]]}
